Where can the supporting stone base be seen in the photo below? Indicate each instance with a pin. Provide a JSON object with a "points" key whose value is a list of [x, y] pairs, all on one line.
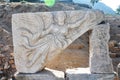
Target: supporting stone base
{"points": [[46, 74], [84, 74]]}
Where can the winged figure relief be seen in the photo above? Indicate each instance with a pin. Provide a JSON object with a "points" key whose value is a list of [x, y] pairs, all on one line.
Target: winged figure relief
{"points": [[45, 35]]}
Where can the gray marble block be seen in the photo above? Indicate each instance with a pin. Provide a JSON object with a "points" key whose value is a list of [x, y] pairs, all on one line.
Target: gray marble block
{"points": [[84, 74], [46, 74]]}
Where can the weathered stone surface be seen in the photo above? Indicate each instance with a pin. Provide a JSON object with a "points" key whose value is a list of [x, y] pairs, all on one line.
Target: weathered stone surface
{"points": [[72, 58], [46, 74], [40, 37], [85, 74], [100, 61]]}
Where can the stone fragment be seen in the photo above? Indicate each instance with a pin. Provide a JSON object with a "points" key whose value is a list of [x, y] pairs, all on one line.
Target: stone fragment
{"points": [[3, 78], [85, 74], [40, 37], [46, 74], [100, 61], [118, 71]]}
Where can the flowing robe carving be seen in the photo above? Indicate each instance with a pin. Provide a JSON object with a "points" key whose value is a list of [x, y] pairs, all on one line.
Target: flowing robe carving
{"points": [[39, 37]]}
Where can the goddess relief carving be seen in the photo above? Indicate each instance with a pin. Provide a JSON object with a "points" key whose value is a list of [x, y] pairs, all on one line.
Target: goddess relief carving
{"points": [[39, 37]]}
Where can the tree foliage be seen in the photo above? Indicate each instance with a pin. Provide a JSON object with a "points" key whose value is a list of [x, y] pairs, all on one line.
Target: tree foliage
{"points": [[94, 1], [118, 10]]}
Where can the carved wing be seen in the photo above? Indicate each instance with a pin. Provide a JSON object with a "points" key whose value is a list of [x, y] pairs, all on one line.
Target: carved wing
{"points": [[31, 22], [35, 44], [47, 19], [32, 26], [80, 22], [73, 17]]}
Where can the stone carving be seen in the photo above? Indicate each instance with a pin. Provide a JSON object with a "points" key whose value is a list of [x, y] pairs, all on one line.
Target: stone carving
{"points": [[39, 37], [100, 61]]}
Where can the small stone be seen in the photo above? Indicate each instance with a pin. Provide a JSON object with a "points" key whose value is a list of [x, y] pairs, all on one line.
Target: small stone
{"points": [[13, 66], [1, 68], [118, 70], [11, 58], [3, 78], [6, 48], [1, 72], [6, 66], [119, 44], [12, 54], [11, 61], [2, 55], [112, 43], [112, 55], [118, 35], [1, 45]]}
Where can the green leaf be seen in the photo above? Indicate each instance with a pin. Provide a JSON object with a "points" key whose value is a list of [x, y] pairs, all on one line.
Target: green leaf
{"points": [[94, 1]]}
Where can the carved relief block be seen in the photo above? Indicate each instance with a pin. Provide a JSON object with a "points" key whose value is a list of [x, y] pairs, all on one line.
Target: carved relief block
{"points": [[39, 37]]}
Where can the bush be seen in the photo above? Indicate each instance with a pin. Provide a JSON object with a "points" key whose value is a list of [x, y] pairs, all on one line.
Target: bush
{"points": [[118, 10], [94, 1]]}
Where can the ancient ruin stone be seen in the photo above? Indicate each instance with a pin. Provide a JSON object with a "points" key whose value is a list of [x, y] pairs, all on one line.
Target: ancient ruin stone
{"points": [[100, 61], [40, 37], [46, 74]]}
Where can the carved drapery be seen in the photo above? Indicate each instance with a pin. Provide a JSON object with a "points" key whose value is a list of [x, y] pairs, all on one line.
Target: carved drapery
{"points": [[39, 37]]}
